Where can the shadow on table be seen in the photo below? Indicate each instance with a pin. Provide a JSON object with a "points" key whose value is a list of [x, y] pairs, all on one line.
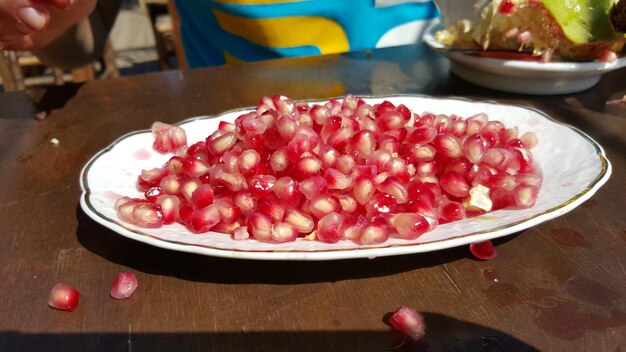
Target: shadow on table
{"points": [[149, 259], [443, 334]]}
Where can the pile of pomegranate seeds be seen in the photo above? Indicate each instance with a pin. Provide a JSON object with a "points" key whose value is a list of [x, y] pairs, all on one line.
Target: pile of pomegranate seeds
{"points": [[343, 170], [63, 297]]}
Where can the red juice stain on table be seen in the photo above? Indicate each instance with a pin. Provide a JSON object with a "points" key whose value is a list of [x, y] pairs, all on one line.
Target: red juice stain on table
{"points": [[569, 237], [491, 275], [563, 319]]}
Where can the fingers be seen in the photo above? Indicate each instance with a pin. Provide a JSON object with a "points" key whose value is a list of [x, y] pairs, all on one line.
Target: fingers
{"points": [[60, 4], [20, 19]]}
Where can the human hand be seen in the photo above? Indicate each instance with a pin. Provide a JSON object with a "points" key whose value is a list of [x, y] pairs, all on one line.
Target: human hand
{"points": [[32, 24]]}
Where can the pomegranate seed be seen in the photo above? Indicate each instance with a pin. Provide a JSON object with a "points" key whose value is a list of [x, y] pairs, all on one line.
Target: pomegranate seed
{"points": [[229, 212], [381, 203], [409, 225], [150, 178], [245, 202], [313, 187], [348, 203], [124, 285], [153, 193], [336, 179], [330, 126], [202, 220], [454, 184], [319, 114], [394, 186], [248, 161], [345, 164], [474, 148], [377, 231], [420, 154], [448, 145], [398, 168], [260, 227], [261, 185], [364, 189], [483, 250], [202, 196], [382, 108], [525, 196], [184, 213], [422, 135], [287, 189], [450, 211], [388, 143], [607, 56], [309, 166], [63, 297], [272, 207], [329, 228], [408, 321], [302, 222], [241, 233], [168, 138], [222, 144], [169, 207], [323, 205], [329, 156], [391, 120], [353, 225], [279, 161], [363, 143], [284, 105], [529, 140], [195, 167], [379, 158], [341, 139], [146, 214], [283, 232]]}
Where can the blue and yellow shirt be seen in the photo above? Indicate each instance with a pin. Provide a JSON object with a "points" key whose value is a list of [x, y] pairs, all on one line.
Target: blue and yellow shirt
{"points": [[228, 31]]}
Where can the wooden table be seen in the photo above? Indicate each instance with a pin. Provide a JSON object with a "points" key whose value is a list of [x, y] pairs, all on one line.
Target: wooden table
{"points": [[560, 286]]}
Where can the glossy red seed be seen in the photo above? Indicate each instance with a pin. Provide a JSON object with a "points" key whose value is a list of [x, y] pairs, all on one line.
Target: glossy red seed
{"points": [[147, 215], [376, 232], [283, 232], [323, 205], [63, 297], [381, 203], [202, 220], [454, 184], [313, 187], [409, 226], [483, 250], [169, 207], [301, 221], [408, 321], [329, 228], [202, 196], [261, 185], [260, 227], [363, 143], [124, 285]]}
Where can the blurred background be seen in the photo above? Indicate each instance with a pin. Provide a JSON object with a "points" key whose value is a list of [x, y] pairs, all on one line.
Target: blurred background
{"points": [[142, 40]]}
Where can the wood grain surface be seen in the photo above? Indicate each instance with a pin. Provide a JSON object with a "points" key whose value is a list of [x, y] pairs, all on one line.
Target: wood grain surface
{"points": [[559, 286]]}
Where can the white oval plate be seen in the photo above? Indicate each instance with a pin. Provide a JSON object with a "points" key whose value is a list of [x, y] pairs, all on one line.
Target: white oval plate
{"points": [[573, 166], [518, 76]]}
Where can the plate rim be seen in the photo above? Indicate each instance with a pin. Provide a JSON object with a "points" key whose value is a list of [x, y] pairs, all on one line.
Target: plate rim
{"points": [[350, 253], [580, 69]]}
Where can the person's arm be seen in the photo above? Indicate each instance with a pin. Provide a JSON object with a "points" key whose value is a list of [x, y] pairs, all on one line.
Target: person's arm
{"points": [[62, 33], [83, 42]]}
